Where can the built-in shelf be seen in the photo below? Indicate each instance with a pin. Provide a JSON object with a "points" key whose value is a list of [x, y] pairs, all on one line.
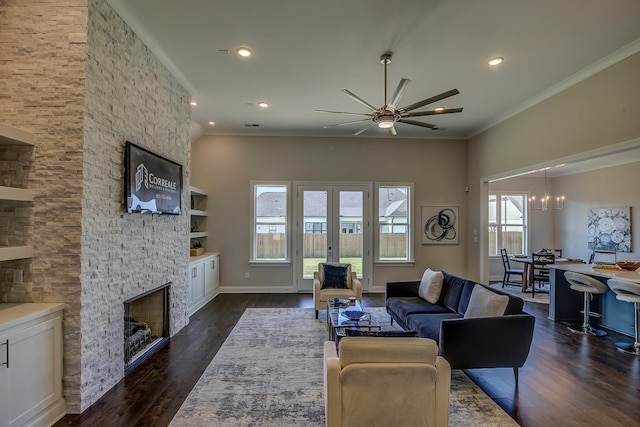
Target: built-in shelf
{"points": [[13, 136], [198, 191], [198, 217], [16, 194], [10, 136], [8, 253]]}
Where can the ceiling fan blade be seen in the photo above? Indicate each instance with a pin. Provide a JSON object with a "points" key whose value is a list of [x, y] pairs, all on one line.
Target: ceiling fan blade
{"points": [[346, 123], [363, 129], [415, 123], [358, 99], [342, 112], [402, 86], [392, 131], [433, 112], [431, 100]]}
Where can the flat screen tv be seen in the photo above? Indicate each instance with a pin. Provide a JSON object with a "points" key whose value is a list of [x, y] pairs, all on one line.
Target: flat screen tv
{"points": [[153, 184]]}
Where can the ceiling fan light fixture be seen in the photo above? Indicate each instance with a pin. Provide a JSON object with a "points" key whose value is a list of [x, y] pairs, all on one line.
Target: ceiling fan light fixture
{"points": [[386, 122], [263, 104]]}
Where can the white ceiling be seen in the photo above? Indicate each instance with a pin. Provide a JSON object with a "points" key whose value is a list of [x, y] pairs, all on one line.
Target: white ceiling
{"points": [[306, 51]]}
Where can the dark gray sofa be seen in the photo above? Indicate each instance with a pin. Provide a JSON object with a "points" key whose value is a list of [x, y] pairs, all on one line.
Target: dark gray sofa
{"points": [[486, 342]]}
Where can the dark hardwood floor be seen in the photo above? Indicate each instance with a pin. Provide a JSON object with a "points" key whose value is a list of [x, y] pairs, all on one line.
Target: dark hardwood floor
{"points": [[568, 380]]}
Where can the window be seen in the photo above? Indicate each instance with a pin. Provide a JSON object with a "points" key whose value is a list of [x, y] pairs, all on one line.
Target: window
{"points": [[507, 223], [270, 236], [315, 227], [394, 222]]}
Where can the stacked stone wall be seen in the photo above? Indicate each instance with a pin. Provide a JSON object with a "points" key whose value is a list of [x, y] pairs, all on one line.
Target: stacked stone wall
{"points": [[130, 96], [74, 74]]}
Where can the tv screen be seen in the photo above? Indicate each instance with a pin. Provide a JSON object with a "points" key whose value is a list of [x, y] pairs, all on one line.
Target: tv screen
{"points": [[153, 184]]}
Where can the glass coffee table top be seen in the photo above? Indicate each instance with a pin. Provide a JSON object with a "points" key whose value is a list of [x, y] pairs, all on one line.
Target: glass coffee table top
{"points": [[338, 321]]}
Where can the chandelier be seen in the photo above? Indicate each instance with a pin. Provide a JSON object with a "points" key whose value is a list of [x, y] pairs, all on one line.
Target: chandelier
{"points": [[543, 204]]}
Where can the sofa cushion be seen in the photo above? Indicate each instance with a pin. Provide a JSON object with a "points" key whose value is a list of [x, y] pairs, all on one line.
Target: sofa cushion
{"points": [[484, 303], [451, 291], [428, 325], [404, 306], [335, 276], [391, 334], [465, 296], [431, 285]]}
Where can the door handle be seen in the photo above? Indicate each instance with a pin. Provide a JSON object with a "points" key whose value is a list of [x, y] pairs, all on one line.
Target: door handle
{"points": [[6, 343]]}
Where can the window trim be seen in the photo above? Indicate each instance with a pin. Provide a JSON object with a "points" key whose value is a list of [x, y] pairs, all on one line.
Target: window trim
{"points": [[252, 246], [410, 223], [499, 225]]}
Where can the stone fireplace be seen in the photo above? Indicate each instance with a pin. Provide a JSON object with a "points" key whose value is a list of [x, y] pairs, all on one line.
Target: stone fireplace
{"points": [[146, 325]]}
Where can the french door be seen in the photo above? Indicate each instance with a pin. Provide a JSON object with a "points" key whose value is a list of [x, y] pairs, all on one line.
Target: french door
{"points": [[333, 224]]}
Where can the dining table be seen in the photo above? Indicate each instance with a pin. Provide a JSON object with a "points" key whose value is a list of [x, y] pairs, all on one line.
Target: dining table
{"points": [[527, 261]]}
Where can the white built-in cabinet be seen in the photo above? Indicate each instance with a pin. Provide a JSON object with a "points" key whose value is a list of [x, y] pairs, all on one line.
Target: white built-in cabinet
{"points": [[204, 271], [31, 364]]}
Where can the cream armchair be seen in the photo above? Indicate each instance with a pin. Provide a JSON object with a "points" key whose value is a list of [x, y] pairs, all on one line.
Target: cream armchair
{"points": [[321, 296], [386, 382]]}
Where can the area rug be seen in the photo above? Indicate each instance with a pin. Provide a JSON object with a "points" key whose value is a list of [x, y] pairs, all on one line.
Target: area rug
{"points": [[269, 373], [542, 296]]}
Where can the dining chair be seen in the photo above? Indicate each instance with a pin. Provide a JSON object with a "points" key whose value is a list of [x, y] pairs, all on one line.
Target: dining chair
{"points": [[508, 271], [557, 252], [602, 257], [540, 269]]}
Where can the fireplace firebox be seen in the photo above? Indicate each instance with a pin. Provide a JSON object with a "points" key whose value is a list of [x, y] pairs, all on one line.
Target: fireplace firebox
{"points": [[146, 325]]}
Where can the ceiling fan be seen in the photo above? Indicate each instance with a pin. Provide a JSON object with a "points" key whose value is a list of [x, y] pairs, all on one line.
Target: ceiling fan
{"points": [[389, 114]]}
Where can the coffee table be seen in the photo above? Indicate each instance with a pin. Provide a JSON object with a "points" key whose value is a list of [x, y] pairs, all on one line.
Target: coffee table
{"points": [[337, 322]]}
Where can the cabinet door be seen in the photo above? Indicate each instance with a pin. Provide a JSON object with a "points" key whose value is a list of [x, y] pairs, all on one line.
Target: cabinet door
{"points": [[197, 282], [4, 380], [211, 275], [33, 379]]}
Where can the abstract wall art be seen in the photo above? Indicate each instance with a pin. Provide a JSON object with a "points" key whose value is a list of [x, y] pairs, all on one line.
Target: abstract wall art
{"points": [[439, 225]]}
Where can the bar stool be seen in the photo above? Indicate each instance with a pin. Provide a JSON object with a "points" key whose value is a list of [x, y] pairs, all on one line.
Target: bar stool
{"points": [[629, 292], [589, 286]]}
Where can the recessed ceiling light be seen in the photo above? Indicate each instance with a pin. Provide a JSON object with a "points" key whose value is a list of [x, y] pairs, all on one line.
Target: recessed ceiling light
{"points": [[496, 61], [438, 109], [212, 123], [263, 104], [243, 51], [193, 103]]}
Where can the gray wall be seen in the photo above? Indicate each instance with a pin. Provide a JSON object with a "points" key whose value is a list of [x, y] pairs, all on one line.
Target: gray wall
{"points": [[597, 112], [612, 187], [224, 166], [567, 228]]}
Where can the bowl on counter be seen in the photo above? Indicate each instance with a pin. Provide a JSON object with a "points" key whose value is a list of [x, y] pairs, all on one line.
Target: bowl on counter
{"points": [[627, 265]]}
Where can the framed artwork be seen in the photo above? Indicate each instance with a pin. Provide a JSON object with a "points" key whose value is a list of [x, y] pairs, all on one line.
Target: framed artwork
{"points": [[609, 229], [439, 225]]}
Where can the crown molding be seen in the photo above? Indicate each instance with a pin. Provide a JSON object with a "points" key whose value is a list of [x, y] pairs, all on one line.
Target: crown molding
{"points": [[131, 19], [598, 66]]}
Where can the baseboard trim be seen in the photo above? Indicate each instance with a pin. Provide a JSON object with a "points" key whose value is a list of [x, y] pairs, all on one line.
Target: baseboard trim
{"points": [[278, 290], [258, 290]]}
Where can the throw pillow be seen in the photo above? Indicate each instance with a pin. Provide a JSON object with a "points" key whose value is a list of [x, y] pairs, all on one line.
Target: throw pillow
{"points": [[484, 303], [334, 276], [431, 285]]}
